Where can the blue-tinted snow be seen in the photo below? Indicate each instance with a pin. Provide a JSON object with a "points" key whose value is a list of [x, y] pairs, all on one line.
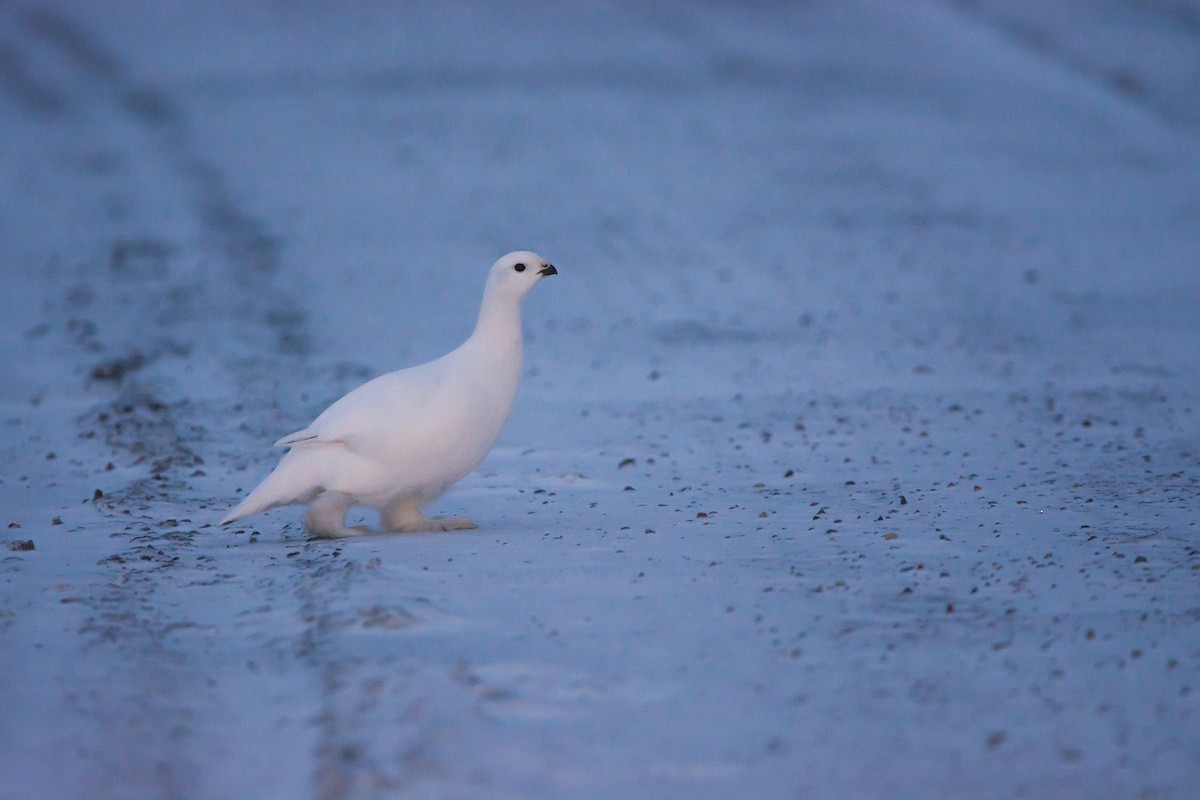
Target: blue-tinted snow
{"points": [[856, 454]]}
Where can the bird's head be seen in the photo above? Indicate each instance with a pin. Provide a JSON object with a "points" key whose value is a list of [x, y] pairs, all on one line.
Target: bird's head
{"points": [[516, 273]]}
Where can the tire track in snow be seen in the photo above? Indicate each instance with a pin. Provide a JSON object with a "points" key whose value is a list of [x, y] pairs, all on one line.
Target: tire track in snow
{"points": [[153, 420], [147, 696], [1151, 92], [242, 295]]}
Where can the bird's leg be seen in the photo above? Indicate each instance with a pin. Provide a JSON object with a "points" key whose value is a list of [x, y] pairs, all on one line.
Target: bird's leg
{"points": [[405, 516], [326, 517]]}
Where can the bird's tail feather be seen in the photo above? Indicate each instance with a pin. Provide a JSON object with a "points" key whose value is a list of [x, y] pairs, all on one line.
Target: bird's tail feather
{"points": [[251, 505], [290, 482]]}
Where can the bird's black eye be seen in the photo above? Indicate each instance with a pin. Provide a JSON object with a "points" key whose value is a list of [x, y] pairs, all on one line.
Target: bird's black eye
{"points": [[519, 267]]}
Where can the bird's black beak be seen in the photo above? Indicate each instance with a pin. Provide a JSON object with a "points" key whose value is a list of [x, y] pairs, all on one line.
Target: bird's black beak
{"points": [[548, 269]]}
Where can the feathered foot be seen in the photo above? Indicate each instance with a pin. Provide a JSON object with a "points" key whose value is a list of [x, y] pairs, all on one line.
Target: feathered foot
{"points": [[451, 524], [406, 517], [326, 517]]}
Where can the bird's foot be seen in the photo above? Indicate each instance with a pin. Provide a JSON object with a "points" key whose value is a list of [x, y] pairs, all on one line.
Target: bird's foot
{"points": [[425, 524], [406, 517], [340, 532], [452, 524], [326, 517]]}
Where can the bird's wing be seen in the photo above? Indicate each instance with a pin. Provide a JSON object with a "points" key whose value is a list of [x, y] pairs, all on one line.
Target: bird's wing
{"points": [[299, 437], [375, 403]]}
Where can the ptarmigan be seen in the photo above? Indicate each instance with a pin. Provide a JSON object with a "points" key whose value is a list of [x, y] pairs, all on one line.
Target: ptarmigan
{"points": [[398, 441]]}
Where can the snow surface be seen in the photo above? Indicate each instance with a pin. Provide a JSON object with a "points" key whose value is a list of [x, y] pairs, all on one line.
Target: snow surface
{"points": [[858, 452]]}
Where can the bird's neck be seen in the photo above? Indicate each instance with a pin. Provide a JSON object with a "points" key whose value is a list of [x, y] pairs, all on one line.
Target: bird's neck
{"points": [[499, 326]]}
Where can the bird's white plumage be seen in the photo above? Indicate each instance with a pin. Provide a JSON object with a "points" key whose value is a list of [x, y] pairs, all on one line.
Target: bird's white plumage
{"points": [[398, 441]]}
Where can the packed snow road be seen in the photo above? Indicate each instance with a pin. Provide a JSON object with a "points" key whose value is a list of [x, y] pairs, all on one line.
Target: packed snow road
{"points": [[857, 452]]}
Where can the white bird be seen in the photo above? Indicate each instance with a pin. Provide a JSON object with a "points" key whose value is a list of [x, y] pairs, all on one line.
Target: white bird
{"points": [[400, 440]]}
